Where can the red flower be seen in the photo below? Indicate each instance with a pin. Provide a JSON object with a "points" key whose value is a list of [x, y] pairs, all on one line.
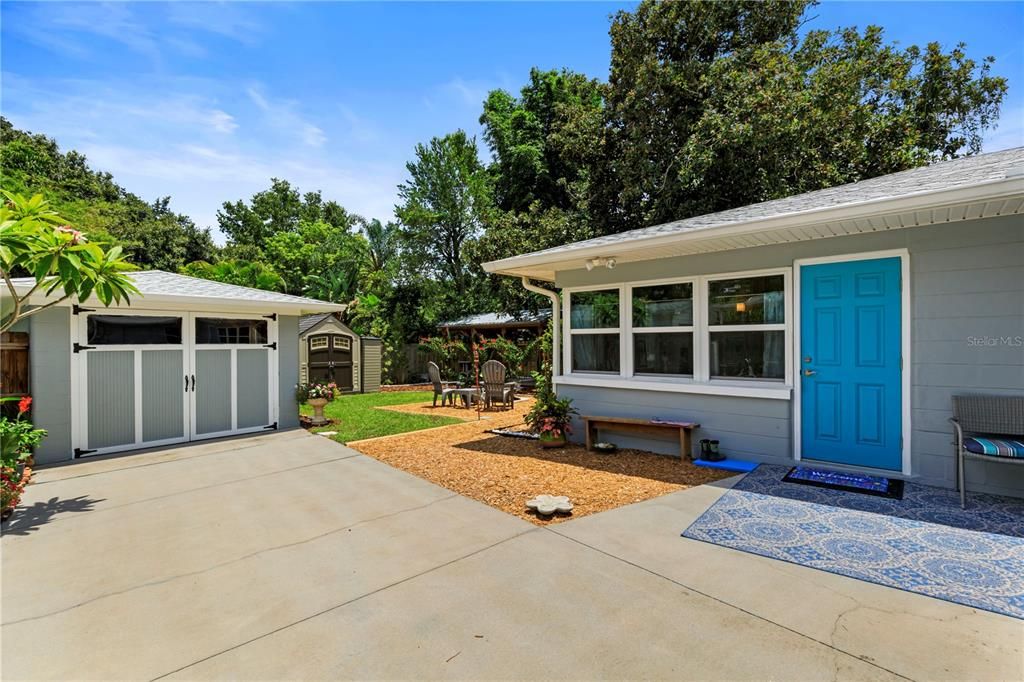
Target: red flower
{"points": [[24, 404]]}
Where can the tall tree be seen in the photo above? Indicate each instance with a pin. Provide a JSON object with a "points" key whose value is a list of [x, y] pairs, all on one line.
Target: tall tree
{"points": [[444, 204], [712, 105], [281, 208]]}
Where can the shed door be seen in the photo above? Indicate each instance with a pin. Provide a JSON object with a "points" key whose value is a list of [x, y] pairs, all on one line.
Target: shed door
{"points": [[330, 359], [133, 376], [232, 388]]}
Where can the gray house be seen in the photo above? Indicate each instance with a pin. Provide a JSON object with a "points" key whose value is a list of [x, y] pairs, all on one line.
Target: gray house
{"points": [[190, 359], [833, 326]]}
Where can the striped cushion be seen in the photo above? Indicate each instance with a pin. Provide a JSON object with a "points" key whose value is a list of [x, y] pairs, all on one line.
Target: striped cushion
{"points": [[997, 447]]}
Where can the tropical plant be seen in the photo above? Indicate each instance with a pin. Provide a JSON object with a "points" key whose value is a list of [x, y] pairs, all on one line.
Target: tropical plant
{"points": [[550, 416], [12, 485], [253, 274], [446, 351], [18, 437], [511, 353], [35, 240]]}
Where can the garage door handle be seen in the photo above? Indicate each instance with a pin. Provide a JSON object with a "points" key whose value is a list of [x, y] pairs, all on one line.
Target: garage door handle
{"points": [[193, 383], [186, 383]]}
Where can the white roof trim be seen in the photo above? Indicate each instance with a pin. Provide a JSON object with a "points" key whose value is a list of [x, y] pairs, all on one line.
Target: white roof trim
{"points": [[208, 295], [865, 216]]}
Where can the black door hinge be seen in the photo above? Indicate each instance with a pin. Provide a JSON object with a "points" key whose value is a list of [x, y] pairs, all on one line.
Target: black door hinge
{"points": [[272, 346], [272, 427], [271, 316], [79, 452], [76, 309], [78, 348]]}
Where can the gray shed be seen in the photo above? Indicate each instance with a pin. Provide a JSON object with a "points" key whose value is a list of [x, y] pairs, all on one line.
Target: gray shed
{"points": [[331, 352]]}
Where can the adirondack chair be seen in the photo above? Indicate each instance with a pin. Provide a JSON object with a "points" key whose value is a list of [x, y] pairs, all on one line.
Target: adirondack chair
{"points": [[495, 388], [447, 394]]}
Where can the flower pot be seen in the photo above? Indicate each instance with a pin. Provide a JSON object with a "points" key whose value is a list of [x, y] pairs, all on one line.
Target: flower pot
{"points": [[318, 411], [547, 440]]}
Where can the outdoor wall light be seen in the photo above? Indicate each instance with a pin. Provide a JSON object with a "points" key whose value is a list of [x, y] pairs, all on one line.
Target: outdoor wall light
{"points": [[741, 307], [599, 261]]}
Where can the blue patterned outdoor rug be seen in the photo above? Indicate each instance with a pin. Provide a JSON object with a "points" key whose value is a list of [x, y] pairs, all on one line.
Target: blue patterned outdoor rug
{"points": [[923, 543]]}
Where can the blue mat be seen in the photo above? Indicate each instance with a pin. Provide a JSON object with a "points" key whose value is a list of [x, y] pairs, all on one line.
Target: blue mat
{"points": [[727, 464], [923, 543]]}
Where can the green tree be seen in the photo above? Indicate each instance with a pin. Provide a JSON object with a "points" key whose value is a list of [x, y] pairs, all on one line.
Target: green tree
{"points": [[712, 105], [280, 208], [151, 234], [444, 204], [35, 240], [243, 273]]}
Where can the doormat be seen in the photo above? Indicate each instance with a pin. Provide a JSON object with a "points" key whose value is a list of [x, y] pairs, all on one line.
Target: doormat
{"points": [[853, 483]]}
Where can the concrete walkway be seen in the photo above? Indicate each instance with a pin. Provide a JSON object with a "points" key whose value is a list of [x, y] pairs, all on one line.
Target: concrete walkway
{"points": [[290, 556]]}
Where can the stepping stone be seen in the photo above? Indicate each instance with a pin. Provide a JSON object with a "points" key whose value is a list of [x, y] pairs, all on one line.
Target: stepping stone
{"points": [[546, 505]]}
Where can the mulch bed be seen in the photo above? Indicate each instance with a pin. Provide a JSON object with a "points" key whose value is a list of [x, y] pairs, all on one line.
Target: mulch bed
{"points": [[506, 472]]}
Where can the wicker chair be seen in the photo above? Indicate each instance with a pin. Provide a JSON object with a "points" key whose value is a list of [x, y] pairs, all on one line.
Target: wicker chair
{"points": [[495, 389], [995, 432], [447, 394]]}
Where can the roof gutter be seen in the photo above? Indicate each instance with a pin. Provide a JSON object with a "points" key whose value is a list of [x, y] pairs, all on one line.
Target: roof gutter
{"points": [[556, 305], [986, 191]]}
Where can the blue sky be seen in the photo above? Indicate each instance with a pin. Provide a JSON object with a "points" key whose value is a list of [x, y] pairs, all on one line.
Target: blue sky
{"points": [[206, 101]]}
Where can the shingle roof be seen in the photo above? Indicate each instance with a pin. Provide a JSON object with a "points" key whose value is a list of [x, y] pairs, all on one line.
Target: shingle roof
{"points": [[165, 285], [498, 319], [307, 322], [944, 175]]}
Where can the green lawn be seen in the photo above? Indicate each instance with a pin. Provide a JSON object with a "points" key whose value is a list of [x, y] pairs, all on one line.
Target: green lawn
{"points": [[357, 418]]}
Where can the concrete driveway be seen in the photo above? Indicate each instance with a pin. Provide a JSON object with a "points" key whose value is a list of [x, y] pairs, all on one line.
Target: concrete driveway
{"points": [[290, 556]]}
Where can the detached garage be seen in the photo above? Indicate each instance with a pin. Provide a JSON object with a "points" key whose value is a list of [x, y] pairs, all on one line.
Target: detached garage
{"points": [[190, 359]]}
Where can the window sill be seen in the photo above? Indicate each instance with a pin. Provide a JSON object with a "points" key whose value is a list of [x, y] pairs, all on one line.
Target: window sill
{"points": [[745, 390]]}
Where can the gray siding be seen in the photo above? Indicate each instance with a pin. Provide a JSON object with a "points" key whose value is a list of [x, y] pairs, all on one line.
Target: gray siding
{"points": [[288, 370], [967, 283], [371, 365], [50, 375]]}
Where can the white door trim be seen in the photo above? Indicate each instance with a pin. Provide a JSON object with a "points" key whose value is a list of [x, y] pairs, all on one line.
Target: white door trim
{"points": [[905, 341]]}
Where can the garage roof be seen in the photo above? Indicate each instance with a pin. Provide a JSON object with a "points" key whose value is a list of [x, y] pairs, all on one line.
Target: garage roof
{"points": [[169, 287], [961, 189]]}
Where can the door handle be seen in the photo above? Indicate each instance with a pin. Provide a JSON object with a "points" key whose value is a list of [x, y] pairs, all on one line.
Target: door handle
{"points": [[193, 383], [186, 383], [810, 372]]}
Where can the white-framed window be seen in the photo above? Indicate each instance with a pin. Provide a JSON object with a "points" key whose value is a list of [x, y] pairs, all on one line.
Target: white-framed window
{"points": [[595, 328], [342, 342], [318, 342], [719, 330], [661, 335], [746, 327]]}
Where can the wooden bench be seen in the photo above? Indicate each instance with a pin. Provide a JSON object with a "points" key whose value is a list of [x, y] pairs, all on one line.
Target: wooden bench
{"points": [[644, 427]]}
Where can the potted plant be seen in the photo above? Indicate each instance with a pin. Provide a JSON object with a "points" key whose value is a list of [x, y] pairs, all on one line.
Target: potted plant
{"points": [[316, 396], [550, 417], [18, 437]]}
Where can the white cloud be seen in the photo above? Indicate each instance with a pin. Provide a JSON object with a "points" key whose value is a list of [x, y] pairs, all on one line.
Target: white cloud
{"points": [[284, 116], [1010, 130], [206, 142]]}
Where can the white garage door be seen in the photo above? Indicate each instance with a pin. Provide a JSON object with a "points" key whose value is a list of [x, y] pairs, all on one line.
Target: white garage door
{"points": [[157, 378]]}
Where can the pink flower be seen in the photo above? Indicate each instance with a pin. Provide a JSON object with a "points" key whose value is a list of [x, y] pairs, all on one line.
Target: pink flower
{"points": [[76, 235]]}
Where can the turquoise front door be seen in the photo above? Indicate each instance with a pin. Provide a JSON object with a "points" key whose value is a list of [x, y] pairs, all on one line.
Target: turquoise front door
{"points": [[850, 366]]}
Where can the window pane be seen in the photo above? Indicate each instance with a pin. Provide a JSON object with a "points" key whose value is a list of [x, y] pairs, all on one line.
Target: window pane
{"points": [[663, 305], [748, 355], [595, 353], [220, 330], [663, 353], [594, 309], [107, 330], [751, 300]]}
